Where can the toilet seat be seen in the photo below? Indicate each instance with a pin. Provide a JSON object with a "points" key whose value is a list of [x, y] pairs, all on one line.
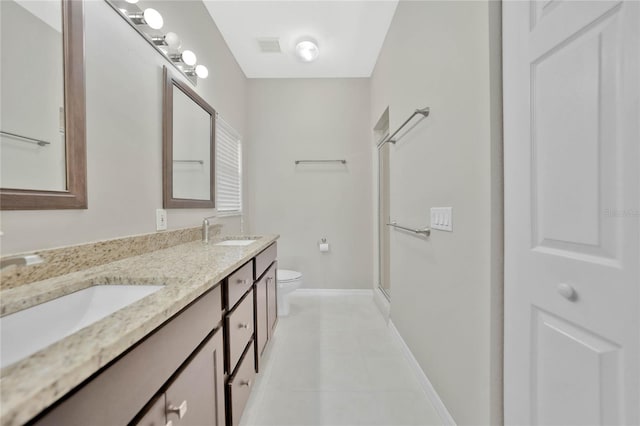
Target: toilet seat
{"points": [[286, 276]]}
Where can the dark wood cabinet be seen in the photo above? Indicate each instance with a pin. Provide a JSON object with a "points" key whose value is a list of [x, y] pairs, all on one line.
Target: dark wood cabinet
{"points": [[198, 390], [118, 393], [195, 396], [272, 299], [240, 384], [266, 312], [196, 369], [261, 323]]}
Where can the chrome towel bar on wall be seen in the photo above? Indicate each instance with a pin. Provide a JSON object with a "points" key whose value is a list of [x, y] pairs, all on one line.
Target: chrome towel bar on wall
{"points": [[425, 231], [321, 161], [423, 111], [25, 138]]}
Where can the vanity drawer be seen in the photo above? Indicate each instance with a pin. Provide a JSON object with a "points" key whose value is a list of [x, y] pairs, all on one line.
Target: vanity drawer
{"points": [[239, 330], [265, 259], [238, 283], [240, 385]]}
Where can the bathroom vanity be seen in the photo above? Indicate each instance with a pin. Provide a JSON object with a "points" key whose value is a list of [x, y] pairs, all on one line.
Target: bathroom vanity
{"points": [[185, 355]]}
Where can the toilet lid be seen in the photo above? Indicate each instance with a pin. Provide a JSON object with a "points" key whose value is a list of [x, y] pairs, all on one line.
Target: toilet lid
{"points": [[285, 275]]}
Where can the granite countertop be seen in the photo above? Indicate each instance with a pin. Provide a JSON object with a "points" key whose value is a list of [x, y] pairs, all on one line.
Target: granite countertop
{"points": [[187, 271]]}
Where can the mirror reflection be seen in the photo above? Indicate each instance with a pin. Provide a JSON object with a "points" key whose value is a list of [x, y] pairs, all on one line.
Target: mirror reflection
{"points": [[191, 148], [32, 116]]}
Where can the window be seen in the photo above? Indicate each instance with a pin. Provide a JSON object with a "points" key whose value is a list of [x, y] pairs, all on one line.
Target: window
{"points": [[228, 170]]}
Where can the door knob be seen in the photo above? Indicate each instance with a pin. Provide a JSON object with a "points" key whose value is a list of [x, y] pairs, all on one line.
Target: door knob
{"points": [[567, 291]]}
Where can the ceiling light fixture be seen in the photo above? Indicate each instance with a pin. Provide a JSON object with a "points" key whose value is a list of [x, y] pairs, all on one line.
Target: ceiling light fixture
{"points": [[307, 50], [132, 1]]}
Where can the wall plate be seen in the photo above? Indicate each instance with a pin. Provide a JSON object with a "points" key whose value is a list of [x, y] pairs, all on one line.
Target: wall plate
{"points": [[442, 218]]}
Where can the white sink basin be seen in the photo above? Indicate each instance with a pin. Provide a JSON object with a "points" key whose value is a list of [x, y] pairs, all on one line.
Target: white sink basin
{"points": [[26, 332], [235, 243]]}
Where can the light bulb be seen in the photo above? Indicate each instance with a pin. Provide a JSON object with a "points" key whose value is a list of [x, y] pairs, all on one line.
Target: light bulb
{"points": [[172, 40], [153, 18], [132, 1], [189, 58], [307, 50], [202, 71]]}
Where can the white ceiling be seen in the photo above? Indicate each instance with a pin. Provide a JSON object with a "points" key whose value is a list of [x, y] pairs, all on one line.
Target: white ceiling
{"points": [[349, 33]]}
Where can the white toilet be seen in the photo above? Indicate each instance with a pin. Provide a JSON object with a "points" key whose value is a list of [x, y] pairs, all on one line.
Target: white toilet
{"points": [[288, 282]]}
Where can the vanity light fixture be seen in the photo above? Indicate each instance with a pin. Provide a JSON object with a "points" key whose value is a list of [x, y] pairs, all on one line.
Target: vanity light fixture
{"points": [[168, 45], [307, 50], [150, 17], [202, 71], [187, 56], [199, 71], [170, 40]]}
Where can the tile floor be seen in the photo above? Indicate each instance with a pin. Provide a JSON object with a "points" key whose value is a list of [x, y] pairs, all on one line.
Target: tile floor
{"points": [[334, 361]]}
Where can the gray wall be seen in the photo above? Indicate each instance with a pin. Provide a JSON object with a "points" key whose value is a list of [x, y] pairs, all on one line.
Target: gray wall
{"points": [[124, 131], [292, 119], [446, 292]]}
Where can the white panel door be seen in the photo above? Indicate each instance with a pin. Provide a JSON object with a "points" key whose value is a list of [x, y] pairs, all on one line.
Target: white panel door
{"points": [[572, 212]]}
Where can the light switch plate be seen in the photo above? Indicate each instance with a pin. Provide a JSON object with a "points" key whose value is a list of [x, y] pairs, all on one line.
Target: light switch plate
{"points": [[442, 218], [161, 219]]}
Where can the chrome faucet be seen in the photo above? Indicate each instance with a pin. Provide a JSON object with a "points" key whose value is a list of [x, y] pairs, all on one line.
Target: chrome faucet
{"points": [[22, 260], [205, 229]]}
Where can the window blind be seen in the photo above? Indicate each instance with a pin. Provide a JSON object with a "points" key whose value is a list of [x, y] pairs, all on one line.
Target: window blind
{"points": [[228, 169]]}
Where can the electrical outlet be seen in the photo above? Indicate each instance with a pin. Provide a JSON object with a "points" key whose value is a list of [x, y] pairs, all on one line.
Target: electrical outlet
{"points": [[161, 219], [442, 218]]}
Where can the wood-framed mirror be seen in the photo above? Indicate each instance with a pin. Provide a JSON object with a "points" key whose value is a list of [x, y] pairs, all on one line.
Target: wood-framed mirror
{"points": [[43, 123], [188, 138]]}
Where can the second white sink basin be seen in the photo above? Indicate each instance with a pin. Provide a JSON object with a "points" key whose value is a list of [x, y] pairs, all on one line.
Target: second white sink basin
{"points": [[26, 332], [235, 243]]}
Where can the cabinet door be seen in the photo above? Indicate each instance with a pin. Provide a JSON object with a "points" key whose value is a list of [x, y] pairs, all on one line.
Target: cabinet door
{"points": [[262, 327], [156, 415], [196, 396], [272, 301]]}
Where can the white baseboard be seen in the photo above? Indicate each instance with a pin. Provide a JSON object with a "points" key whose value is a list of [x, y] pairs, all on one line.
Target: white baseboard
{"points": [[332, 292], [426, 385]]}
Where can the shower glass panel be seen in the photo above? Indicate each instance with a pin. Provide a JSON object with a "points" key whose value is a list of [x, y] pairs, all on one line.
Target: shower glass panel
{"points": [[383, 219]]}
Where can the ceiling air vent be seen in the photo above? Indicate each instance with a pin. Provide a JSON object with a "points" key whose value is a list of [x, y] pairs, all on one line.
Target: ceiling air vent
{"points": [[269, 45]]}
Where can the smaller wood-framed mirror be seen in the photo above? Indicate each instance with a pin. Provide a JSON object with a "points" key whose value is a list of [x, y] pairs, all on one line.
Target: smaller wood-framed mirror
{"points": [[188, 134]]}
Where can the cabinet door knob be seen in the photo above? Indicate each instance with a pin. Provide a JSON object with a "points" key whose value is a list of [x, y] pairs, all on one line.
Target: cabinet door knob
{"points": [[181, 410], [246, 383], [269, 279], [567, 291], [246, 326], [243, 282]]}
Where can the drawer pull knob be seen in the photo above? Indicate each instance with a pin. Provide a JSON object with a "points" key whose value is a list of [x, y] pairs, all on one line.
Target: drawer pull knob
{"points": [[243, 282], [245, 326], [246, 383], [180, 410]]}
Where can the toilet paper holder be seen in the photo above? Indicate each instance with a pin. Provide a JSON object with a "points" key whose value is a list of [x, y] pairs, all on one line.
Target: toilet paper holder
{"points": [[323, 245]]}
